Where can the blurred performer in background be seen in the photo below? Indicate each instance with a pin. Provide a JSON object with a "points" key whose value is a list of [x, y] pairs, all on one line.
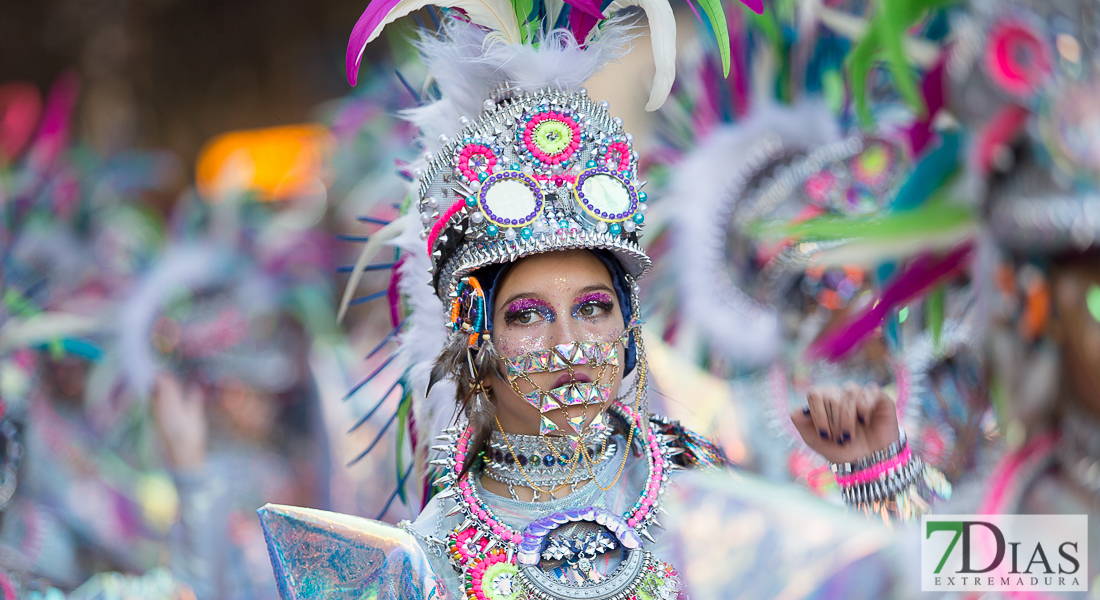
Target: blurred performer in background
{"points": [[1024, 78], [824, 256], [219, 337]]}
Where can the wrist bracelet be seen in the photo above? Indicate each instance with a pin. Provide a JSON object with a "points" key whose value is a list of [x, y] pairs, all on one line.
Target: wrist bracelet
{"points": [[886, 485], [876, 457], [870, 474]]}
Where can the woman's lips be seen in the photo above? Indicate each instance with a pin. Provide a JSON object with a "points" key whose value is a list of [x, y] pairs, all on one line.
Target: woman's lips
{"points": [[577, 377]]}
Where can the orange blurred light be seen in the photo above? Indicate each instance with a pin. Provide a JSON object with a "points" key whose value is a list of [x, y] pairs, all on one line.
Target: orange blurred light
{"points": [[278, 163]]}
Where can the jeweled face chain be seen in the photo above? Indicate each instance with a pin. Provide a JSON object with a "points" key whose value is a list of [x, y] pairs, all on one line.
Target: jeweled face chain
{"points": [[566, 357]]}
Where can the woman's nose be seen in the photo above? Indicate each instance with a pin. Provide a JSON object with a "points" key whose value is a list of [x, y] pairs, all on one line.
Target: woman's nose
{"points": [[565, 331]]}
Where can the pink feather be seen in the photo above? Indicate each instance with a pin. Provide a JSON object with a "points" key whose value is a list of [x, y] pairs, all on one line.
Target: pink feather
{"points": [[364, 31], [583, 18], [919, 276], [756, 6]]}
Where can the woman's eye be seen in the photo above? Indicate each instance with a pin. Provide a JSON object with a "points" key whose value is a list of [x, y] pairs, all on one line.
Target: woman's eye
{"points": [[591, 310], [528, 317]]}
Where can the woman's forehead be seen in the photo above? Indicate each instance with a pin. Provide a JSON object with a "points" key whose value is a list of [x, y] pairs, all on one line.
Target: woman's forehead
{"points": [[550, 272]]}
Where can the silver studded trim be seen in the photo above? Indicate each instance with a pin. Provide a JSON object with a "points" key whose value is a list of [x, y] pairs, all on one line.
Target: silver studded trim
{"points": [[472, 257], [625, 579]]}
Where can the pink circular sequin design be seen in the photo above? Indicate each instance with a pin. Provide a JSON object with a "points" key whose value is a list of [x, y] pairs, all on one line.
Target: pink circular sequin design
{"points": [[474, 159], [619, 155], [569, 148]]}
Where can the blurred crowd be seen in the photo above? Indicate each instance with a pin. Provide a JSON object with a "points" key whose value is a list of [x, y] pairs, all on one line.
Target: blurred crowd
{"points": [[171, 360]]}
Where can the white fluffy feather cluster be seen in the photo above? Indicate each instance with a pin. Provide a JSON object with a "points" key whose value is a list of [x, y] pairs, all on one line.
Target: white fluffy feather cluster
{"points": [[737, 326], [468, 66]]}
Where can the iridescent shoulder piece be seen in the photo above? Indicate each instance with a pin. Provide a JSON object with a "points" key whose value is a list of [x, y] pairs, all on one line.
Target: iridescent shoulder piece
{"points": [[323, 555], [695, 451]]}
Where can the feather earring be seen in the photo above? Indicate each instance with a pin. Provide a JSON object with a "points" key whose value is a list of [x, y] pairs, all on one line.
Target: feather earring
{"points": [[450, 361]]}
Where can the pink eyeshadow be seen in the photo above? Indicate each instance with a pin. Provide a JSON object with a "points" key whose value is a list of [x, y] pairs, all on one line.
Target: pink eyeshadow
{"points": [[594, 297], [526, 304]]}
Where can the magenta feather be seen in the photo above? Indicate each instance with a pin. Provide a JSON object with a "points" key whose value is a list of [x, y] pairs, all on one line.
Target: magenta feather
{"points": [[583, 17], [57, 118], [738, 84], [919, 276], [393, 294], [756, 6], [920, 133], [364, 29]]}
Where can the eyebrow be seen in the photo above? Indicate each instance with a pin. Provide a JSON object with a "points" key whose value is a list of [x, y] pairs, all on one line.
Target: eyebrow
{"points": [[598, 287]]}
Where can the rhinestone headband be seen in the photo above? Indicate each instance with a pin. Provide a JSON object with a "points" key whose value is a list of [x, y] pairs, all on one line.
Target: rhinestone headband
{"points": [[537, 172]]}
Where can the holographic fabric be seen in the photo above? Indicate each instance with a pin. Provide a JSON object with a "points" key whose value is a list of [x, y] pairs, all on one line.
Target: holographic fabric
{"points": [[735, 535], [319, 554]]}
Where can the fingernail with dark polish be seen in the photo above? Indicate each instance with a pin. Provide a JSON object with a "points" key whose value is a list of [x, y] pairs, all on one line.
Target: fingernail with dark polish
{"points": [[839, 442], [861, 420], [806, 410], [824, 434], [847, 436]]}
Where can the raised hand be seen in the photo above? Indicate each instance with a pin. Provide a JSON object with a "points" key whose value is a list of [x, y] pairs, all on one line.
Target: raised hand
{"points": [[179, 410], [849, 423]]}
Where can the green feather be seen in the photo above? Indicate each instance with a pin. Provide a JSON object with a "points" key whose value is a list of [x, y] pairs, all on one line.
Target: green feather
{"points": [[936, 316], [884, 41], [717, 18], [523, 9], [936, 216]]}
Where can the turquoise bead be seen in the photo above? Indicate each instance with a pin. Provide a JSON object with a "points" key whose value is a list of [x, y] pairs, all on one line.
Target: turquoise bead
{"points": [[491, 230], [642, 196], [639, 217], [525, 232], [615, 229]]}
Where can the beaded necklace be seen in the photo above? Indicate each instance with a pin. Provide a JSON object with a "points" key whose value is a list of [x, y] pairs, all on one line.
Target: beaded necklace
{"points": [[485, 550]]}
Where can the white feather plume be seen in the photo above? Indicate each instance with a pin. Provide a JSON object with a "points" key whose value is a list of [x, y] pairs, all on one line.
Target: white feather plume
{"points": [[422, 339], [662, 34]]}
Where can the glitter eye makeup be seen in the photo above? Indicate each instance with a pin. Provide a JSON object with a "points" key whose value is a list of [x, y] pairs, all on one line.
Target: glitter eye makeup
{"points": [[522, 311], [592, 305]]}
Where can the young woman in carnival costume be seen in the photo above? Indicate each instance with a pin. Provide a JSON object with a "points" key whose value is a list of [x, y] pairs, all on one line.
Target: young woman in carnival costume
{"points": [[808, 249], [529, 204]]}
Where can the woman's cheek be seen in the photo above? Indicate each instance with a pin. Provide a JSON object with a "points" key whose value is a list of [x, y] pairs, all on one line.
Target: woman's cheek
{"points": [[513, 344]]}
